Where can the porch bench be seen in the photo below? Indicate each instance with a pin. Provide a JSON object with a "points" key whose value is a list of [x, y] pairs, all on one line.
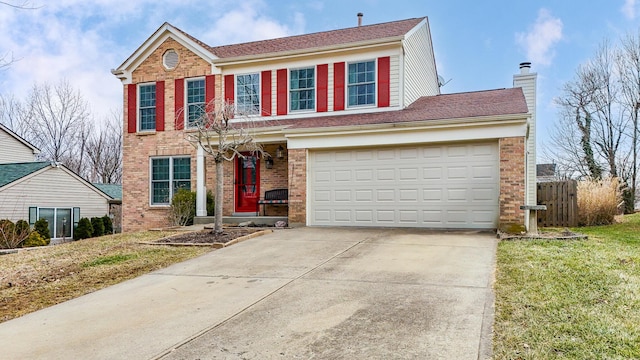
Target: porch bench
{"points": [[273, 197]]}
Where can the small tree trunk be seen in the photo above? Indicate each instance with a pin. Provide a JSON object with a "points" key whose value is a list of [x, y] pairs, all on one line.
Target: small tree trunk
{"points": [[219, 194]]}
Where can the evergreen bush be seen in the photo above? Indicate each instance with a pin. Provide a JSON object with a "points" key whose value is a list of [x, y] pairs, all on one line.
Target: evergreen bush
{"points": [[108, 225], [42, 227], [35, 239], [84, 229], [211, 204], [183, 208], [98, 226]]}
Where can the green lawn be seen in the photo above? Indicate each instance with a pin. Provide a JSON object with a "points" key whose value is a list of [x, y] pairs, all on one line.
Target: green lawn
{"points": [[577, 299]]}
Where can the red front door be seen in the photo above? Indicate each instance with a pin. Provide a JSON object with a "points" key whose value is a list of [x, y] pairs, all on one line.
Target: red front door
{"points": [[247, 183]]}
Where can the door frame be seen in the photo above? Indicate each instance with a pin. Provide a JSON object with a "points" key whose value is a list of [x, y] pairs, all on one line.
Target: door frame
{"points": [[236, 173]]}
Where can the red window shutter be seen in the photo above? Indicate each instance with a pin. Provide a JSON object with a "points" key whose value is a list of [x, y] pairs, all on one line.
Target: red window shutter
{"points": [[160, 106], [338, 86], [282, 92], [229, 90], [179, 104], [384, 84], [266, 93], [323, 87], [132, 107], [209, 92]]}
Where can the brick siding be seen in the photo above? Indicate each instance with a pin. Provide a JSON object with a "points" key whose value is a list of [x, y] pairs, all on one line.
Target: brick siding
{"points": [[512, 183], [297, 186]]}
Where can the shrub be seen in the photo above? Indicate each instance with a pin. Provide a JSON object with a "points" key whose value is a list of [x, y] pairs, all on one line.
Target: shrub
{"points": [[12, 236], [22, 227], [108, 224], [42, 227], [84, 229], [183, 208], [98, 226], [211, 204], [598, 201], [35, 239]]}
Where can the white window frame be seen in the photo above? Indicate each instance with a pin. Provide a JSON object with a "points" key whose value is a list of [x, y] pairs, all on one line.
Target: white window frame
{"points": [[375, 83], [171, 177], [259, 93], [315, 89], [139, 108], [186, 98], [73, 221]]}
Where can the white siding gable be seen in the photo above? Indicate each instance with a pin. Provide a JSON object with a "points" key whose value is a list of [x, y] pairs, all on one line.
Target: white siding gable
{"points": [[52, 187], [13, 150], [420, 74]]}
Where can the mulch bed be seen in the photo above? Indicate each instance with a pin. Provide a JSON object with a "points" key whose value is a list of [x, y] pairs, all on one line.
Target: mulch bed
{"points": [[208, 236]]}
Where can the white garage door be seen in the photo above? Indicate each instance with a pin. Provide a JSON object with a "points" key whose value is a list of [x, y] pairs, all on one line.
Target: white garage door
{"points": [[443, 186]]}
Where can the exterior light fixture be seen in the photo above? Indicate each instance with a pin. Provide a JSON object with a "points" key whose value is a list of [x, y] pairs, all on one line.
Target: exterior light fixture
{"points": [[269, 162], [280, 152]]}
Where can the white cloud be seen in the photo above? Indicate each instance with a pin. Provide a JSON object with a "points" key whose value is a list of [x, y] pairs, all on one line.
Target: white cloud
{"points": [[628, 9], [541, 38]]}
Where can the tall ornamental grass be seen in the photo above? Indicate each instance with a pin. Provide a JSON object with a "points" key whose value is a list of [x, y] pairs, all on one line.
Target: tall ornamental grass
{"points": [[598, 201]]}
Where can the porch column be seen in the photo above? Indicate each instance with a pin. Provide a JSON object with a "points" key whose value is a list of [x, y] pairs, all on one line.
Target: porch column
{"points": [[201, 189]]}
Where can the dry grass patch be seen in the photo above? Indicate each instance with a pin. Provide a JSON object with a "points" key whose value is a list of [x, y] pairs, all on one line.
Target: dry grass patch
{"points": [[35, 279], [598, 201]]}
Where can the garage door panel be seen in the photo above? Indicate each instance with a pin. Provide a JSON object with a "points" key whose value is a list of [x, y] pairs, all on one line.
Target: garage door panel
{"points": [[443, 186]]}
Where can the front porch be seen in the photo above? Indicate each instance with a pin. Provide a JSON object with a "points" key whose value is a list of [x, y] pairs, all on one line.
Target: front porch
{"points": [[238, 219]]}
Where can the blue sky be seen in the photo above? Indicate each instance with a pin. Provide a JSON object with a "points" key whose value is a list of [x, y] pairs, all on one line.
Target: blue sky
{"points": [[478, 44]]}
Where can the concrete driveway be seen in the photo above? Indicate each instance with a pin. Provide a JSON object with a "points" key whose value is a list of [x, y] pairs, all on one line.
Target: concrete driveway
{"points": [[307, 293]]}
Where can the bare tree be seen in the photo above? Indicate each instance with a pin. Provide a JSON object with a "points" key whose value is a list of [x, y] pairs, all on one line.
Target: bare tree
{"points": [[13, 115], [6, 59], [223, 138], [104, 152], [56, 120]]}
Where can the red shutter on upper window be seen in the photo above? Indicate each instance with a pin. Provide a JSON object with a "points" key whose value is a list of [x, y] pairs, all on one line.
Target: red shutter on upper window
{"points": [[266, 93], [323, 87], [384, 84], [229, 92], [132, 107], [179, 104], [209, 92], [282, 92], [338, 86], [160, 106]]}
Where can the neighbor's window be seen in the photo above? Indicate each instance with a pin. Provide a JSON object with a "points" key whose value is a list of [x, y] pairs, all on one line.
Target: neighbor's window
{"points": [[168, 175], [195, 101], [361, 84], [147, 107], [302, 89], [248, 94]]}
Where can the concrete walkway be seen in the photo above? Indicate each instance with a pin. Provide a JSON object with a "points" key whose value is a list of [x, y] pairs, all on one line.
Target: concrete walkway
{"points": [[320, 293]]}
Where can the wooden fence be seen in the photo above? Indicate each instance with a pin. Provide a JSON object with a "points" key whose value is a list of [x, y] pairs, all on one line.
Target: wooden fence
{"points": [[561, 199]]}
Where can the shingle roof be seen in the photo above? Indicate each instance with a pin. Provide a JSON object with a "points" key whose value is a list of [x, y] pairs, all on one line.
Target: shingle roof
{"points": [[316, 40], [113, 190], [439, 107], [15, 171]]}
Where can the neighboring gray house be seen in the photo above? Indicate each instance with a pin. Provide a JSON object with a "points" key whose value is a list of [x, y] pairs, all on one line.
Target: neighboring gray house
{"points": [[546, 173], [30, 190]]}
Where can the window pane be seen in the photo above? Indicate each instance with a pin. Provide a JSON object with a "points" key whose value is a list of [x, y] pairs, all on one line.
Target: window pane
{"points": [[48, 214], [181, 168], [147, 106], [160, 169], [195, 101], [302, 89], [247, 99], [63, 223], [361, 84], [160, 192]]}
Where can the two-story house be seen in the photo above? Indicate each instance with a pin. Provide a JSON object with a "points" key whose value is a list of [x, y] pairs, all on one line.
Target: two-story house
{"points": [[358, 130], [31, 189]]}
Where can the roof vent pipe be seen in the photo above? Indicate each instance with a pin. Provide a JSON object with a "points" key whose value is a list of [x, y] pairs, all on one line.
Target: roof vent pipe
{"points": [[524, 67], [360, 15]]}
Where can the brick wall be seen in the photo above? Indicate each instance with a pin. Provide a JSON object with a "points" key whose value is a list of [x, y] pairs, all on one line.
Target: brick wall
{"points": [[297, 186], [137, 214], [512, 183]]}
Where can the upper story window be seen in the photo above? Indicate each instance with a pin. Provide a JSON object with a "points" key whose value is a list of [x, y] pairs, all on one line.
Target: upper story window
{"points": [[361, 84], [168, 175], [147, 107], [302, 89], [195, 101], [248, 94]]}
